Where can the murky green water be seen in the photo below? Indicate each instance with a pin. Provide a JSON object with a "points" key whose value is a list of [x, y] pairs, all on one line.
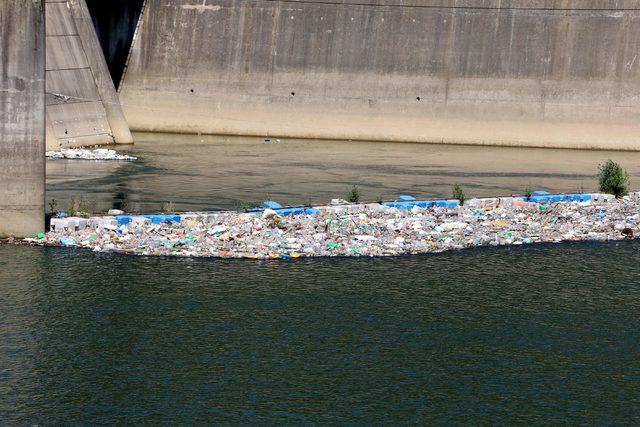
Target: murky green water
{"points": [[543, 335], [523, 335]]}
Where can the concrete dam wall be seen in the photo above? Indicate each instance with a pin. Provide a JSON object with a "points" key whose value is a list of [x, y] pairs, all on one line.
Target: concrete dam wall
{"points": [[22, 56], [82, 103], [561, 73]]}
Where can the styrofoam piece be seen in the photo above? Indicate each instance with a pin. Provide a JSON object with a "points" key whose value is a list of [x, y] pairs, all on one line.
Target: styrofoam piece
{"points": [[506, 201], [483, 203], [58, 224], [85, 154], [600, 197], [102, 222], [75, 223]]}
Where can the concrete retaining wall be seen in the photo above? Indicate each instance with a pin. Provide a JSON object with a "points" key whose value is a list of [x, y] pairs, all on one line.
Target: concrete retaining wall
{"points": [[561, 73], [82, 104], [22, 56]]}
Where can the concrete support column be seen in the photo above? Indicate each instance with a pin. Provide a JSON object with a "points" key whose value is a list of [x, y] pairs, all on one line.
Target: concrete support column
{"points": [[22, 117]]}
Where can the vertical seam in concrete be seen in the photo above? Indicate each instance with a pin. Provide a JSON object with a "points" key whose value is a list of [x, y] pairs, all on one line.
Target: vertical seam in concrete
{"points": [[620, 69], [274, 40], [449, 56]]}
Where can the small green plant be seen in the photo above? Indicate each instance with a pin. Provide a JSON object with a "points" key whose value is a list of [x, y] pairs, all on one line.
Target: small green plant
{"points": [[612, 179], [458, 194], [243, 206], [168, 207], [354, 195], [580, 188], [53, 205], [79, 206], [528, 191]]}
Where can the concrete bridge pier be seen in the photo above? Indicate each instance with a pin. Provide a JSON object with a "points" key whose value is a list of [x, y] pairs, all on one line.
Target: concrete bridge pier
{"points": [[22, 117]]}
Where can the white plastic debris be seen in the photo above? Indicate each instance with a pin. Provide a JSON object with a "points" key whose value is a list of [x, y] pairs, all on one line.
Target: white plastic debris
{"points": [[86, 154], [269, 213], [352, 230]]}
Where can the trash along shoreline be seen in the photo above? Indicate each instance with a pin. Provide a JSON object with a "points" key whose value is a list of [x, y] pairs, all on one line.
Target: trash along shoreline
{"points": [[88, 154], [402, 227]]}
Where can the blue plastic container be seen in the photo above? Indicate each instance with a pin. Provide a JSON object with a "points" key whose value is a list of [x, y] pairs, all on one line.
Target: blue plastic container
{"points": [[447, 203], [290, 211], [554, 198], [270, 204], [159, 219], [123, 219]]}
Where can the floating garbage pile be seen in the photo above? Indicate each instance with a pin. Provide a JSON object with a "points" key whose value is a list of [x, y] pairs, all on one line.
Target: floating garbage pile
{"points": [[406, 226], [86, 154]]}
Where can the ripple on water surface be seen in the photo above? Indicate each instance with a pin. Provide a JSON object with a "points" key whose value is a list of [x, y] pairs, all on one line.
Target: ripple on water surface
{"points": [[542, 334]]}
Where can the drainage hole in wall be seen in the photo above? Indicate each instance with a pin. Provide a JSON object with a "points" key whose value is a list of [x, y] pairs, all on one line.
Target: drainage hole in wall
{"points": [[418, 98], [293, 94]]}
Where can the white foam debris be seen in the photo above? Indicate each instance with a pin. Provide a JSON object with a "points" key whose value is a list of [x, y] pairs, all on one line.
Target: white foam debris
{"points": [[86, 154]]}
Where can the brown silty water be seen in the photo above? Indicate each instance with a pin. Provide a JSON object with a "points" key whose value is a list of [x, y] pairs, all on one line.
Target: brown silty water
{"points": [[194, 172]]}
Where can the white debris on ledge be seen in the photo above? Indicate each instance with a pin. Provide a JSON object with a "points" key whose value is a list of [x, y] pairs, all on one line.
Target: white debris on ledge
{"points": [[372, 229], [86, 154]]}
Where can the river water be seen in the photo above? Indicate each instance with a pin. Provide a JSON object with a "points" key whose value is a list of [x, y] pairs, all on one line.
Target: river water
{"points": [[543, 334]]}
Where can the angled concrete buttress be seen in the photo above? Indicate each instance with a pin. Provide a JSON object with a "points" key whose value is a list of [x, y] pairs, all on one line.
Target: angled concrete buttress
{"points": [[22, 57], [82, 103]]}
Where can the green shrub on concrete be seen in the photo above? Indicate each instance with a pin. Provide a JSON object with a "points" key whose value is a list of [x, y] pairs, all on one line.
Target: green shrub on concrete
{"points": [[613, 179]]}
